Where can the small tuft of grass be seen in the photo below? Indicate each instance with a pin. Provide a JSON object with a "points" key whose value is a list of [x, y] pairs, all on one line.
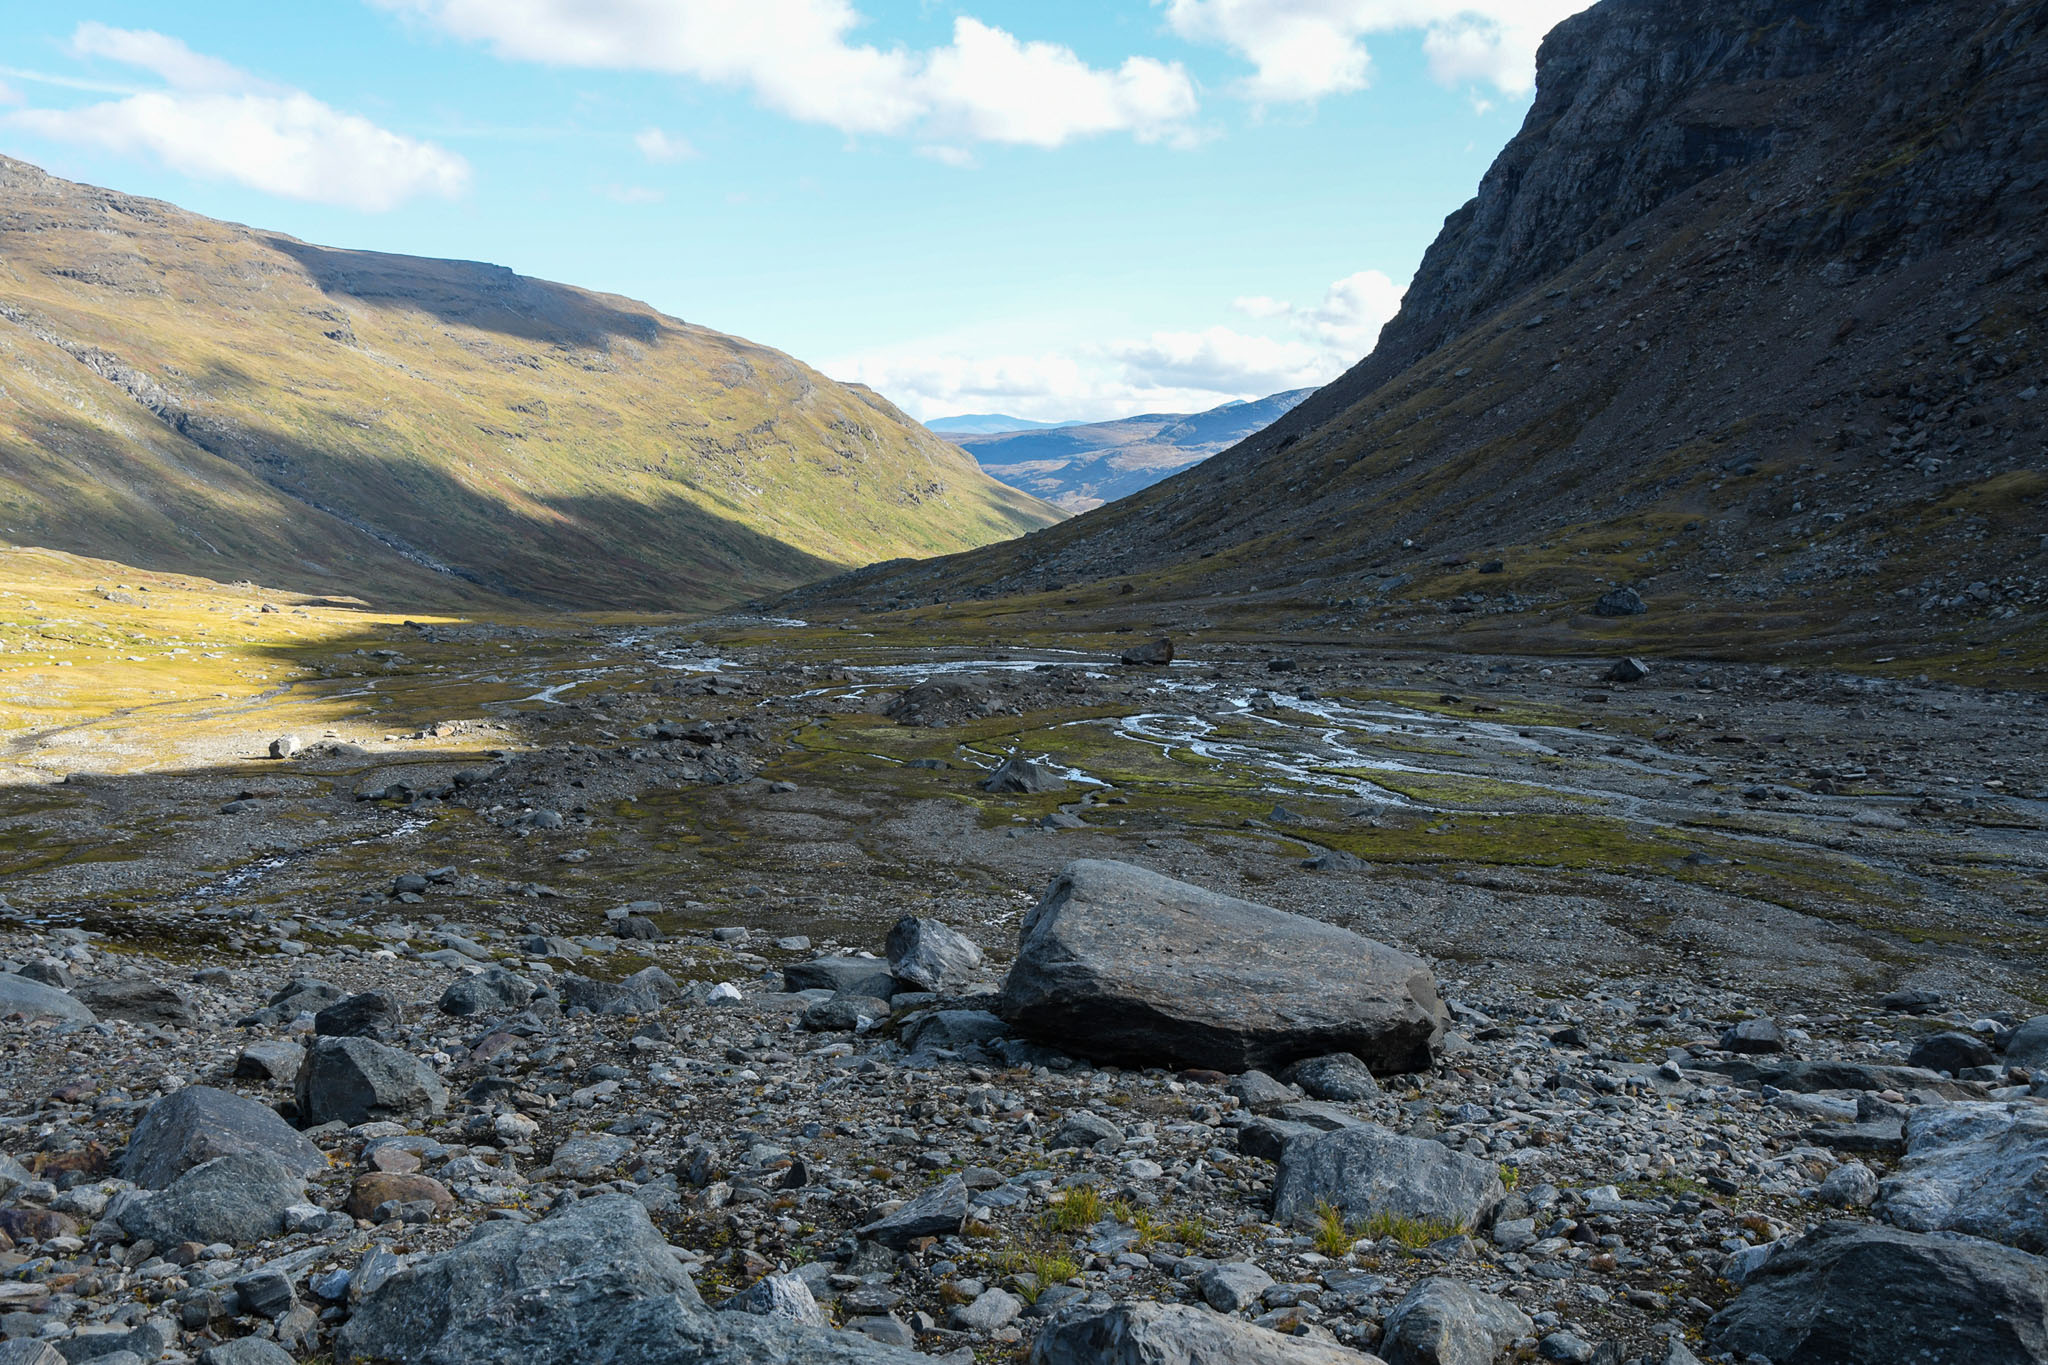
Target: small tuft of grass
{"points": [[1333, 1236], [1413, 1233], [1080, 1207], [1190, 1231]]}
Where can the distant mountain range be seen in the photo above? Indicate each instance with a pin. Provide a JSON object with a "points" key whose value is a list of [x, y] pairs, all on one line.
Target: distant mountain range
{"points": [[986, 424], [1081, 465], [200, 397]]}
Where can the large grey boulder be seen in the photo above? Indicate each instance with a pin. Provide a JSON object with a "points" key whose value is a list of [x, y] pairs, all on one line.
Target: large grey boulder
{"points": [[593, 1284], [1975, 1168], [1143, 1333], [139, 1001], [1444, 1322], [377, 1015], [1121, 964], [235, 1199], [1022, 776], [863, 976], [1339, 1076], [953, 1030], [646, 991], [34, 1000], [494, 990], [2028, 1046], [931, 956], [938, 1212], [1864, 1294], [357, 1080], [1951, 1051], [1368, 1170], [194, 1125]]}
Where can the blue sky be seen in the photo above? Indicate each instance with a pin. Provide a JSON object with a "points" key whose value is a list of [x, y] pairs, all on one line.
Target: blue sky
{"points": [[1056, 209]]}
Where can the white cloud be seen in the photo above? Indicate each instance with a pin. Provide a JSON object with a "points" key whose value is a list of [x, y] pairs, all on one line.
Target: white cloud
{"points": [[177, 65], [947, 154], [798, 57], [659, 146], [1305, 49], [220, 123], [1167, 371], [8, 94]]}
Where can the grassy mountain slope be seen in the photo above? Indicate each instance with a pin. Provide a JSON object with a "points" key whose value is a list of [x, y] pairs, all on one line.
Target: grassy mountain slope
{"points": [[1086, 464], [195, 396], [1749, 318]]}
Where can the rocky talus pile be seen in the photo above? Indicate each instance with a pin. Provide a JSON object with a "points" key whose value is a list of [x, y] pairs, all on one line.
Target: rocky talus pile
{"points": [[1173, 1128]]}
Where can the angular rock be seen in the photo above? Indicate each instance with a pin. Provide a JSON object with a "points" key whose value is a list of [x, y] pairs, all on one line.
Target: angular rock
{"points": [[1368, 1170], [646, 991], [1121, 964], [1914, 1002], [1863, 1294], [34, 1000], [1975, 1168], [1620, 602], [269, 1059], [1023, 776], [1151, 654], [938, 1212], [139, 1001], [1443, 1322], [1807, 1077], [31, 1351], [357, 1080], [1143, 1333], [1233, 1286], [494, 990], [1082, 1128], [930, 956], [778, 1296], [376, 1015], [246, 1351], [1268, 1137], [1626, 670], [1339, 1076], [1754, 1036], [191, 1126], [2028, 1046], [953, 1030], [845, 1013], [1849, 1186], [236, 1199], [144, 1342], [842, 976], [591, 1283], [1950, 1052], [1258, 1092]]}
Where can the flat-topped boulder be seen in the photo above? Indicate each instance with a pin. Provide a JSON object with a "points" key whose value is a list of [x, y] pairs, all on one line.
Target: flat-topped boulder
{"points": [[1118, 963]]}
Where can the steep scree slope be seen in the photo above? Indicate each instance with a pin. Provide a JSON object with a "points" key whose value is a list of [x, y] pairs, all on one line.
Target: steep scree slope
{"points": [[190, 395], [1748, 317]]}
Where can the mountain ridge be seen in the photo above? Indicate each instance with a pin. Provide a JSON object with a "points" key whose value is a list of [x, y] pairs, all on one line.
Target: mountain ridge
{"points": [[203, 397], [1745, 320]]}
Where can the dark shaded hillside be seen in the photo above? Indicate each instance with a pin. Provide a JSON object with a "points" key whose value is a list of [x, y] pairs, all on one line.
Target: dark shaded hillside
{"points": [[1747, 318], [194, 396], [1086, 464]]}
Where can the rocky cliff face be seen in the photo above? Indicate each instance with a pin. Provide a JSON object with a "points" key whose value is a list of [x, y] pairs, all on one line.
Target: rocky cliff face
{"points": [[199, 397], [1746, 318]]}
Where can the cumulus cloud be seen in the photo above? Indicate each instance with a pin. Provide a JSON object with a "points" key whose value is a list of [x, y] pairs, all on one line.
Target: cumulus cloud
{"points": [[1305, 49], [799, 57], [660, 146], [216, 121], [1167, 371]]}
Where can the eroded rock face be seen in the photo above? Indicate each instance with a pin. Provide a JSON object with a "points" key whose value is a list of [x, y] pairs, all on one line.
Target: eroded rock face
{"points": [[931, 956], [357, 1081], [234, 1199], [1975, 1168], [1854, 1294], [1121, 964]]}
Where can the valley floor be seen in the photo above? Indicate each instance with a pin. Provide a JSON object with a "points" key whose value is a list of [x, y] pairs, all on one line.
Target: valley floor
{"points": [[1645, 862]]}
